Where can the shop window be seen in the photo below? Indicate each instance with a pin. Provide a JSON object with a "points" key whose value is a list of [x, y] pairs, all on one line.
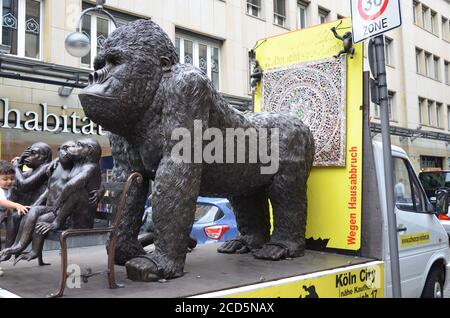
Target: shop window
{"points": [[202, 53], [21, 28], [427, 162]]}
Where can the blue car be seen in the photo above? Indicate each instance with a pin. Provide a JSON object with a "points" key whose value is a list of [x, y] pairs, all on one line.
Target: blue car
{"points": [[214, 221]]}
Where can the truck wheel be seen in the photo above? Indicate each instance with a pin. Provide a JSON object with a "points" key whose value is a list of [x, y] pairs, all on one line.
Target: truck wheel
{"points": [[434, 286]]}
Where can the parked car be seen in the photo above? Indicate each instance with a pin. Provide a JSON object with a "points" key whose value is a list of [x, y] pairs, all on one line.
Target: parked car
{"points": [[214, 221], [433, 181]]}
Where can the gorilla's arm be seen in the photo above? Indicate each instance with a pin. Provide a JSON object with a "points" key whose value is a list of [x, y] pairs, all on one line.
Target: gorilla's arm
{"points": [[126, 160], [33, 181], [177, 183]]}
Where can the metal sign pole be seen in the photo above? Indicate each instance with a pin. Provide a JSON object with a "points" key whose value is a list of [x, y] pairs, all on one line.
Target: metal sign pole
{"points": [[378, 43]]}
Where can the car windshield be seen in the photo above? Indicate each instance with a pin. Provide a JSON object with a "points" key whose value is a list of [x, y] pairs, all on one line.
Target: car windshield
{"points": [[205, 213], [434, 180]]}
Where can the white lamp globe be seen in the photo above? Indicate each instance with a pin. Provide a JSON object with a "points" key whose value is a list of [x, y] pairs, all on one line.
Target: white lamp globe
{"points": [[78, 44]]}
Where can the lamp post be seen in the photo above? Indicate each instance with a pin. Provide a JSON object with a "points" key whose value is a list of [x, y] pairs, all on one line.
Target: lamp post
{"points": [[77, 43]]}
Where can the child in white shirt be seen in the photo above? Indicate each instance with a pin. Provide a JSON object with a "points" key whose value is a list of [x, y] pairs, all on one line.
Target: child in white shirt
{"points": [[7, 181]]}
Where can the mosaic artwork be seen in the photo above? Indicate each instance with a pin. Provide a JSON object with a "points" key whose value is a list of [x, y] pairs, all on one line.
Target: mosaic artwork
{"points": [[316, 91]]}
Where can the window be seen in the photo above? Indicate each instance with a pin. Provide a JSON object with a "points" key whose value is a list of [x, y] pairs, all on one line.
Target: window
{"points": [[279, 12], [302, 15], [408, 196], [434, 23], [388, 45], [254, 8], [438, 114], [421, 114], [97, 27], [391, 105], [416, 8], [448, 117], [447, 72], [428, 64], [436, 64], [323, 15], [430, 112], [202, 53], [430, 162], [376, 111], [22, 28], [425, 18], [445, 29], [419, 54]]}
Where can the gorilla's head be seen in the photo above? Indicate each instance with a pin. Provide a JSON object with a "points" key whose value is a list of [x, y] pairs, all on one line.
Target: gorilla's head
{"points": [[127, 74]]}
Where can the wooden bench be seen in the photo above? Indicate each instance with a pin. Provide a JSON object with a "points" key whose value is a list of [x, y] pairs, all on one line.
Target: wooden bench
{"points": [[113, 197]]}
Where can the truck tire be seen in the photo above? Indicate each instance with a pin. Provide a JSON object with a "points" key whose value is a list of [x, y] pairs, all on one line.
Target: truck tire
{"points": [[434, 285]]}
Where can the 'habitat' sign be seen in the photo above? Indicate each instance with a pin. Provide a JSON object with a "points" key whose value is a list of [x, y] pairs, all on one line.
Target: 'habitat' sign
{"points": [[45, 121]]}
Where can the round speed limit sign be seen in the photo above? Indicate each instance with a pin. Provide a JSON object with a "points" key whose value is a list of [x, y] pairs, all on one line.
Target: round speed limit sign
{"points": [[374, 17], [372, 9]]}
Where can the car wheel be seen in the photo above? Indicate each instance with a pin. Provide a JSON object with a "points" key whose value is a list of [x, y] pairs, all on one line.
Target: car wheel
{"points": [[434, 286]]}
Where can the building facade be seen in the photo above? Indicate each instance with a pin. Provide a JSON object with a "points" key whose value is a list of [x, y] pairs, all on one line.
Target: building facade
{"points": [[40, 81]]}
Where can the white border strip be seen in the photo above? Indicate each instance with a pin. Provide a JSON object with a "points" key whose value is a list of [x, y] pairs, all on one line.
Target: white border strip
{"points": [[6, 294], [244, 289]]}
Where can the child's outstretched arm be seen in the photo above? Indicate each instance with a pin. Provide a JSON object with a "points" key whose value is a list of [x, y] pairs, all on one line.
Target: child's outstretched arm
{"points": [[21, 209]]}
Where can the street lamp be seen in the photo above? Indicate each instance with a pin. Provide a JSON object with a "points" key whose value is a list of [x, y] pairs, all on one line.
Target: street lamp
{"points": [[77, 43]]}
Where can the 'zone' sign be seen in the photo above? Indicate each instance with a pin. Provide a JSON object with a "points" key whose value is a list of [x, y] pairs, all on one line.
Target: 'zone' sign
{"points": [[374, 17]]}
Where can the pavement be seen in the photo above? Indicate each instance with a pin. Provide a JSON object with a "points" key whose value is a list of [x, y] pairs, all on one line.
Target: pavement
{"points": [[447, 291], [205, 271]]}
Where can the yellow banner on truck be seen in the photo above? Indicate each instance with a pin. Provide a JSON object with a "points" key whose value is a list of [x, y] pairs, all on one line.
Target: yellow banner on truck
{"points": [[334, 192], [358, 281]]}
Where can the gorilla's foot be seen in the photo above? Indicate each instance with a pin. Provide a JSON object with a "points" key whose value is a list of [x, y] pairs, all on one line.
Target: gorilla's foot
{"points": [[126, 249], [276, 251], [234, 246], [143, 269]]}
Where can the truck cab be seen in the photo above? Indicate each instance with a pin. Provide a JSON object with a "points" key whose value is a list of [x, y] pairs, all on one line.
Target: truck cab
{"points": [[424, 252]]}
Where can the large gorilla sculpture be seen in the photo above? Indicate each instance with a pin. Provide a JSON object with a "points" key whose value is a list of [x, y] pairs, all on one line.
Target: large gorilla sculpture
{"points": [[142, 94]]}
